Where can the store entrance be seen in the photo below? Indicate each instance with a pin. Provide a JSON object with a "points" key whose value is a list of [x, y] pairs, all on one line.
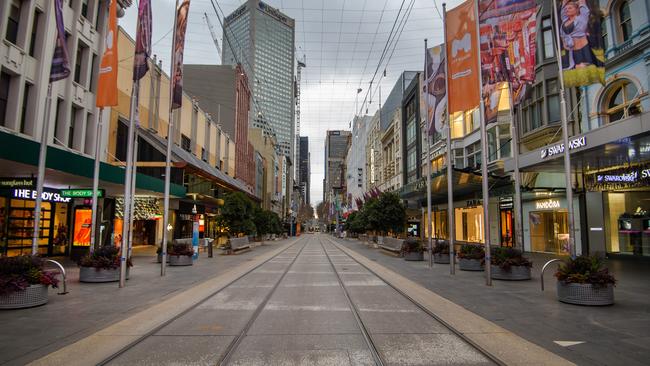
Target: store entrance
{"points": [[549, 232], [506, 221]]}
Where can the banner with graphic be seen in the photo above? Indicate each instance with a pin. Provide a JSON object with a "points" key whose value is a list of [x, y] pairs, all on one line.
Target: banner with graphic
{"points": [[508, 46], [107, 81], [182, 13], [583, 56], [462, 57], [60, 61], [142, 40], [435, 89]]}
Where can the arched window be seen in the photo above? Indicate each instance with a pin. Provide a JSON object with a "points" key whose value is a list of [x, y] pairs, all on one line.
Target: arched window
{"points": [[621, 101], [625, 20]]}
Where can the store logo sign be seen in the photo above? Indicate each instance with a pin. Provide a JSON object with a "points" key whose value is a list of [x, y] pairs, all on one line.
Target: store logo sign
{"points": [[547, 205], [46, 196], [625, 177], [17, 182], [559, 148]]}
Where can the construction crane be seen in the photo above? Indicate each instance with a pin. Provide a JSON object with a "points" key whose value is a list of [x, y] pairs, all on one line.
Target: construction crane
{"points": [[213, 33]]}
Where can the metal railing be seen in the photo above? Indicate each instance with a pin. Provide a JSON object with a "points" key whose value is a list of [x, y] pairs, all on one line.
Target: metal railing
{"points": [[62, 270], [541, 276]]}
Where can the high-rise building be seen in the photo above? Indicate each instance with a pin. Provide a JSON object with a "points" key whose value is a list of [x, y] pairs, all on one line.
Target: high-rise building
{"points": [[262, 39], [355, 161], [304, 173], [336, 148]]}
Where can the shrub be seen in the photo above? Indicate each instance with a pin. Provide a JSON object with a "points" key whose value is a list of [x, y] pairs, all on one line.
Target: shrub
{"points": [[181, 249], [441, 247], [18, 273], [505, 258], [471, 251], [106, 257], [585, 269], [412, 245]]}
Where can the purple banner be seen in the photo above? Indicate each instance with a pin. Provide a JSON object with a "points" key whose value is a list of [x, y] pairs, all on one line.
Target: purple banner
{"points": [[60, 64], [142, 40], [179, 45]]}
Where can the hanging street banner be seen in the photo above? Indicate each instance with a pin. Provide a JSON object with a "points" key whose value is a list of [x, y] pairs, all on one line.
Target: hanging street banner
{"points": [[107, 82], [583, 56], [179, 45], [142, 40], [462, 57], [60, 61], [435, 89], [508, 46]]}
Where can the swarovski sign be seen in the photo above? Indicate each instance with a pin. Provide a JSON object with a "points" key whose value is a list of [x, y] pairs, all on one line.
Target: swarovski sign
{"points": [[553, 150]]}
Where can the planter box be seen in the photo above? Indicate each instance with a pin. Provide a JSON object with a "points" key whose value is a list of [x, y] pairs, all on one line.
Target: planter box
{"points": [[180, 260], [470, 264], [441, 258], [34, 295], [516, 273], [93, 275], [585, 294], [414, 256]]}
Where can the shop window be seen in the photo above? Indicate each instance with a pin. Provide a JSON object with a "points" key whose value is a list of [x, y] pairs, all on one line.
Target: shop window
{"points": [[469, 224], [13, 21], [5, 82], [621, 101], [549, 231], [625, 21], [547, 38]]}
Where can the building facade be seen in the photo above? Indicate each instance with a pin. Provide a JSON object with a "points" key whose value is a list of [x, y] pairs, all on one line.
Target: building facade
{"points": [[336, 147], [355, 161], [304, 170]]}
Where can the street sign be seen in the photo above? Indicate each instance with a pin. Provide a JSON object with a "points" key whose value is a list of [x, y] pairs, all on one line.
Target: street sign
{"points": [[81, 193]]}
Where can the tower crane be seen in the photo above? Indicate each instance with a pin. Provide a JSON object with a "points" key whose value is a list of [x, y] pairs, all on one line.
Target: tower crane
{"points": [[214, 34]]}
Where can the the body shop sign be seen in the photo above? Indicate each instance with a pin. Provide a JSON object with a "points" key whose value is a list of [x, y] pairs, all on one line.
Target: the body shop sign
{"points": [[48, 195], [553, 150]]}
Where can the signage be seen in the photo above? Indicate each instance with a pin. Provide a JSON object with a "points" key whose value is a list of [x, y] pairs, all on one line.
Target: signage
{"points": [[553, 150], [275, 13], [81, 193], [624, 177], [235, 14], [17, 182], [474, 203], [547, 205], [47, 196]]}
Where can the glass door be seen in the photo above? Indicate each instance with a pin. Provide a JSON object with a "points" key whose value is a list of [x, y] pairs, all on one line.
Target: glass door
{"points": [[506, 228], [549, 232]]}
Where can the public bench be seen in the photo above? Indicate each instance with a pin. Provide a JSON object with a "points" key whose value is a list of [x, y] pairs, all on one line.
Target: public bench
{"points": [[392, 245], [239, 244]]}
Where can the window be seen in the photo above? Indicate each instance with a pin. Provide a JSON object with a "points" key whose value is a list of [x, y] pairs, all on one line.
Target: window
{"points": [[5, 82], [474, 155], [57, 121], [95, 70], [553, 101], [73, 122], [410, 132], [204, 155], [459, 160], [13, 21], [32, 41], [186, 143], [533, 109], [621, 101], [23, 115], [604, 32], [84, 8], [77, 65], [547, 38], [625, 21]]}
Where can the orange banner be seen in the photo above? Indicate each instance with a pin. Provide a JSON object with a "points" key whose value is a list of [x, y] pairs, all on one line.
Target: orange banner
{"points": [[462, 57], [107, 82]]}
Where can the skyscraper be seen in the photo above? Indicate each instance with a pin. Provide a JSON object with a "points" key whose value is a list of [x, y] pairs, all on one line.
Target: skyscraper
{"points": [[262, 39], [337, 144], [304, 173]]}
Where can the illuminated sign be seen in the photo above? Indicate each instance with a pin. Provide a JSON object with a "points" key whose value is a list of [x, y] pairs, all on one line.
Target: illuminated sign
{"points": [[47, 196], [81, 193], [576, 143], [625, 177], [547, 205], [17, 182]]}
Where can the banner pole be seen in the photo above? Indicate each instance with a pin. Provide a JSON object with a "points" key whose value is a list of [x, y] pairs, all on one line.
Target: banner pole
{"points": [[484, 160], [428, 159], [98, 152], [40, 179], [132, 182], [565, 135], [450, 168], [514, 131]]}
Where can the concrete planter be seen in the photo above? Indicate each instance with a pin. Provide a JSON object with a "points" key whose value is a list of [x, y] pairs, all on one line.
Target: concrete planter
{"points": [[414, 256], [516, 273], [94, 275], [585, 294], [470, 264], [34, 295], [441, 258], [180, 260]]}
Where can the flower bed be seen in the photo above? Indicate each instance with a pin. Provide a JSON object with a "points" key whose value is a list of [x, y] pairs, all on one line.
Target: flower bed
{"points": [[585, 281]]}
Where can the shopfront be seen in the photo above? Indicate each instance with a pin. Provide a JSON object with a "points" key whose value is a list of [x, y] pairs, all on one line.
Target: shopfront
{"points": [[17, 221], [147, 214], [546, 224]]}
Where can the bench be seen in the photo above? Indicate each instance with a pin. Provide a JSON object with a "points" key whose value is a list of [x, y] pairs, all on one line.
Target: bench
{"points": [[392, 245], [239, 244]]}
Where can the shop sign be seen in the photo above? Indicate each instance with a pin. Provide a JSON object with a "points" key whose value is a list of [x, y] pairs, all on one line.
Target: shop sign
{"points": [[547, 205], [47, 196], [576, 143], [630, 177], [81, 193], [474, 203], [17, 182]]}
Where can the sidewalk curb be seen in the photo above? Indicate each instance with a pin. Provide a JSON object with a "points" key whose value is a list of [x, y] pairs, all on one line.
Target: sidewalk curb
{"points": [[103, 344], [501, 344]]}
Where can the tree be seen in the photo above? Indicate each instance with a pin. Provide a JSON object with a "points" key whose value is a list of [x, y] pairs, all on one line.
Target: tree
{"points": [[385, 213], [237, 213], [356, 222], [261, 221], [322, 211], [305, 213]]}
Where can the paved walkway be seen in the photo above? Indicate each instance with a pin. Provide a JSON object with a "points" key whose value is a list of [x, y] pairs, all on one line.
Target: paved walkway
{"points": [[614, 335], [28, 334]]}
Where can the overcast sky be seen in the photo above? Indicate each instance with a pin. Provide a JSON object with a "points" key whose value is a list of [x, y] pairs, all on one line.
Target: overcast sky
{"points": [[342, 41]]}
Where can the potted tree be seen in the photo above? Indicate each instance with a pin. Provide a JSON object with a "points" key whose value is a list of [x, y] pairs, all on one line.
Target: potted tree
{"points": [[181, 255], [471, 257], [441, 252], [103, 265], [585, 281], [412, 250], [509, 264], [24, 282]]}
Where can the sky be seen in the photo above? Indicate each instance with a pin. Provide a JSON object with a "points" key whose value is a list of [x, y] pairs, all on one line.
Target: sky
{"points": [[341, 41]]}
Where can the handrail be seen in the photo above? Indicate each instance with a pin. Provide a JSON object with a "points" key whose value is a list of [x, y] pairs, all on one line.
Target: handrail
{"points": [[541, 276], [62, 270]]}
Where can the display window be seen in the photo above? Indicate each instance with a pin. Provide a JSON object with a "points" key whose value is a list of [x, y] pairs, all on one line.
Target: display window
{"points": [[549, 231], [627, 223], [439, 224], [469, 224], [82, 227]]}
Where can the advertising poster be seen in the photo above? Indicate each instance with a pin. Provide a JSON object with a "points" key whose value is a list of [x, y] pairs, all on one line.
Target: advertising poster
{"points": [[179, 45], [82, 227], [435, 89]]}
